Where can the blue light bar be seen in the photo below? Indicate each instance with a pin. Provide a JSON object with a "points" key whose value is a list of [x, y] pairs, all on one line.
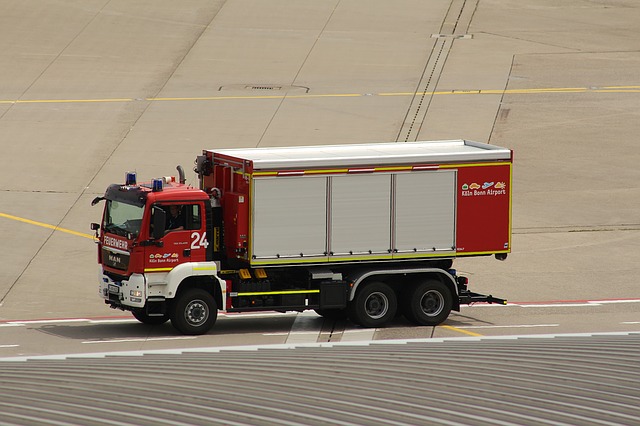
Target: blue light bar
{"points": [[157, 185], [130, 178]]}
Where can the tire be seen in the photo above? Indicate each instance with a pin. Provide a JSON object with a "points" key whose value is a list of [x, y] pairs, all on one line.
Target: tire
{"points": [[333, 314], [374, 305], [142, 316], [427, 303], [194, 312]]}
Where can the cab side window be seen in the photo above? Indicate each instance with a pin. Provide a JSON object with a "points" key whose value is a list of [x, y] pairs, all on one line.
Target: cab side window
{"points": [[180, 217], [175, 217]]}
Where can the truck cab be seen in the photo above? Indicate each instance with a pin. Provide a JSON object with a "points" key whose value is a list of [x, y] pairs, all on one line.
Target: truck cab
{"points": [[153, 238]]}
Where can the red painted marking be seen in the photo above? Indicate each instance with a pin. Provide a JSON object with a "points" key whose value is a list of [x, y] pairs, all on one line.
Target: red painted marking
{"points": [[562, 302]]}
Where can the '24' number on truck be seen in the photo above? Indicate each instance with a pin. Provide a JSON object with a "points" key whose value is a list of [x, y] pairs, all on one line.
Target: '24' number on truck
{"points": [[199, 241]]}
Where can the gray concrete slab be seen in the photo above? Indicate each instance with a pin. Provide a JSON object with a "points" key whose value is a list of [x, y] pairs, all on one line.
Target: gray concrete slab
{"points": [[93, 89]]}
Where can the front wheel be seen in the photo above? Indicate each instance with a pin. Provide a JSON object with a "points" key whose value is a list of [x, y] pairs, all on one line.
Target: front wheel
{"points": [[194, 312], [374, 305], [427, 303]]}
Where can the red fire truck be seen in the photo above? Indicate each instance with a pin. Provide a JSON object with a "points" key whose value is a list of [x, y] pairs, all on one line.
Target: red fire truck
{"points": [[363, 231]]}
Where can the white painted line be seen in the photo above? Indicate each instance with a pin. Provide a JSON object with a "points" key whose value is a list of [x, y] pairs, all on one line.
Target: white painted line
{"points": [[9, 346], [47, 321], [114, 321], [561, 305], [217, 349], [630, 322], [509, 326], [23, 323]]}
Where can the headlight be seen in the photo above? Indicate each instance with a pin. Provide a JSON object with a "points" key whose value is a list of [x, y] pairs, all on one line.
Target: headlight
{"points": [[135, 293]]}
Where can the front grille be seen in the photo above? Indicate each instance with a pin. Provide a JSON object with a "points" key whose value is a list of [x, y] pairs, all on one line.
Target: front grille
{"points": [[115, 260]]}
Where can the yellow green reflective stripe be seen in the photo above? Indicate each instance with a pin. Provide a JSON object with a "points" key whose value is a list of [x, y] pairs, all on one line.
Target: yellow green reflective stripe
{"points": [[271, 293], [204, 268]]}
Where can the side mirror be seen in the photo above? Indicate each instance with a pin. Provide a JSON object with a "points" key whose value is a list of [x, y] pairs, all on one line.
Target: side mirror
{"points": [[96, 200], [159, 220], [95, 227]]}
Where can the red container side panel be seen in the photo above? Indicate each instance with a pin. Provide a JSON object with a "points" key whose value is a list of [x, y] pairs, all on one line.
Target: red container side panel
{"points": [[483, 209]]}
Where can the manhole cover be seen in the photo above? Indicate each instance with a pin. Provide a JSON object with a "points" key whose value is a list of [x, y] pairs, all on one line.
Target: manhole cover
{"points": [[266, 88]]}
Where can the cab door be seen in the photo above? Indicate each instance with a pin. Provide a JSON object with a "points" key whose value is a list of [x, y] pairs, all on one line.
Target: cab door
{"points": [[188, 243]]}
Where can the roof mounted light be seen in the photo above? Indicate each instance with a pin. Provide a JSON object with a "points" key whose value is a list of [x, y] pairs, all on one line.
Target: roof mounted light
{"points": [[130, 178], [157, 185]]}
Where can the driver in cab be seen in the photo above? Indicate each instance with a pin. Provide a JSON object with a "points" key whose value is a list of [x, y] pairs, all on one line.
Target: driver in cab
{"points": [[175, 220]]}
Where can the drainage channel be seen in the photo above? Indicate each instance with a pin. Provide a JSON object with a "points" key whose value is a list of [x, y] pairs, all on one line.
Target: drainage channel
{"points": [[308, 327], [454, 27]]}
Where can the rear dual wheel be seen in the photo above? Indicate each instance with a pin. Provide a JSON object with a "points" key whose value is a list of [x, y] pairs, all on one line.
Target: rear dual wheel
{"points": [[427, 303], [374, 305]]}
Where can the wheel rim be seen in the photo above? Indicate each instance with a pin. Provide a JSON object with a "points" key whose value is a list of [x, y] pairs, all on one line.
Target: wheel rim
{"points": [[196, 312], [432, 303], [376, 305]]}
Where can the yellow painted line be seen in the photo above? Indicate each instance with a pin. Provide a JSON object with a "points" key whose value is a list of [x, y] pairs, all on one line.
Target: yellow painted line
{"points": [[465, 92], [46, 225], [61, 101], [216, 98], [497, 92], [459, 330], [617, 91], [282, 96], [620, 87]]}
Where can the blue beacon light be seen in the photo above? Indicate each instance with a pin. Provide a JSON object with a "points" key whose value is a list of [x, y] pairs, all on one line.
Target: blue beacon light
{"points": [[130, 179], [157, 185]]}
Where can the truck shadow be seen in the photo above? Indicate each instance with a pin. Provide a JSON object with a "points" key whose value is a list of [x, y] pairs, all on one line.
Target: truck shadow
{"points": [[134, 330], [236, 330]]}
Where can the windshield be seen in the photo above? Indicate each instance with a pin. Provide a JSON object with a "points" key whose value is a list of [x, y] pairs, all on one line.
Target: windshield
{"points": [[123, 219]]}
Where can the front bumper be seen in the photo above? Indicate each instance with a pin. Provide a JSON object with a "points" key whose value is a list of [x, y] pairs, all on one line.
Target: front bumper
{"points": [[125, 294]]}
